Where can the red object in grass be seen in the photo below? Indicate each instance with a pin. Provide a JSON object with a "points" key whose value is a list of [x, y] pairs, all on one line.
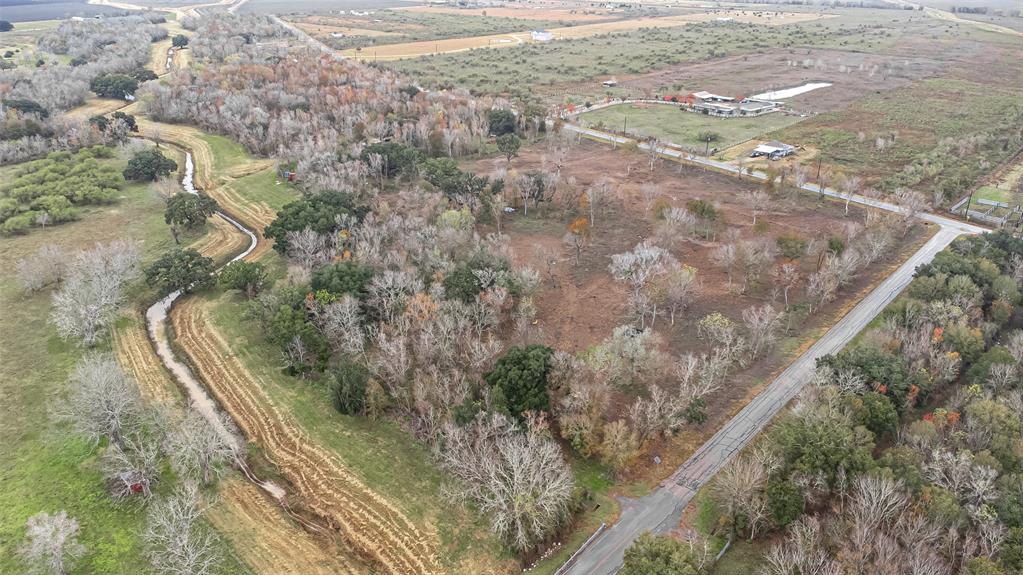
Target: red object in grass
{"points": [[136, 488]]}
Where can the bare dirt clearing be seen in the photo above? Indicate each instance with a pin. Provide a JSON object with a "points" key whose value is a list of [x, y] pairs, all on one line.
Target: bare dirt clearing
{"points": [[372, 526], [415, 49]]}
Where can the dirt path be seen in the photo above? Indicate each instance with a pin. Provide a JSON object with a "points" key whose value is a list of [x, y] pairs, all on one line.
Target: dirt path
{"points": [[370, 524]]}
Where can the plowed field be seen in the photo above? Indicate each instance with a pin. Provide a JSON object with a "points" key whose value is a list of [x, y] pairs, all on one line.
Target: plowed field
{"points": [[374, 527]]}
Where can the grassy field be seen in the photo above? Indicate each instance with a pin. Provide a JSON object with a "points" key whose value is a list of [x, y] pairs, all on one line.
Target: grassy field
{"points": [[45, 469], [522, 69], [518, 32], [671, 124], [23, 37], [915, 120]]}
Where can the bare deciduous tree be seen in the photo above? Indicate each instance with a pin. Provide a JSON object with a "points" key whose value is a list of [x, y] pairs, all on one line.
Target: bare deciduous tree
{"points": [[308, 248], [93, 290], [177, 540], [197, 451], [341, 323], [519, 477], [132, 467], [762, 323], [44, 268], [598, 197], [675, 223], [388, 291], [642, 264], [51, 543], [677, 289], [102, 401], [757, 201]]}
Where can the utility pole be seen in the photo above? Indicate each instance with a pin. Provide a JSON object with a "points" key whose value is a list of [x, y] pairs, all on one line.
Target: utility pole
{"points": [[820, 188]]}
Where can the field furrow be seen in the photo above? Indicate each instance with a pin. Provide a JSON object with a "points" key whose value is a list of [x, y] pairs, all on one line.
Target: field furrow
{"points": [[371, 525]]}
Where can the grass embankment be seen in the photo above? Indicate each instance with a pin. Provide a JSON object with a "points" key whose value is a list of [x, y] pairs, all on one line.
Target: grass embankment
{"points": [[671, 124], [44, 467], [377, 453]]}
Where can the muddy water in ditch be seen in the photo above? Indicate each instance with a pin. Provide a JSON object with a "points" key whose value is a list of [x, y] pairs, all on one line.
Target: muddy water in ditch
{"points": [[156, 322]]}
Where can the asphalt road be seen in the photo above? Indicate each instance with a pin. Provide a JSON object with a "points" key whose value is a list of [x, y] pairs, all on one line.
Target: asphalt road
{"points": [[661, 510]]}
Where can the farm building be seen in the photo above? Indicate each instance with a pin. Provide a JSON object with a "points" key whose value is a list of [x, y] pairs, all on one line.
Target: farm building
{"points": [[541, 35], [773, 150], [724, 106]]}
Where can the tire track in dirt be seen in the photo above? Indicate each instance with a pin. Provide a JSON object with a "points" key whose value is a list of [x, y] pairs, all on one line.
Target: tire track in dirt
{"points": [[369, 523], [244, 514], [135, 354]]}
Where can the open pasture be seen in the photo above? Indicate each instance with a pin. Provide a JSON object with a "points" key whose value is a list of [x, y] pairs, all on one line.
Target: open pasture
{"points": [[669, 123], [564, 69]]}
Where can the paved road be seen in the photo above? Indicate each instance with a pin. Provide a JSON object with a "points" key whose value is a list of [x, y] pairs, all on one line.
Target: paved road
{"points": [[661, 510]]}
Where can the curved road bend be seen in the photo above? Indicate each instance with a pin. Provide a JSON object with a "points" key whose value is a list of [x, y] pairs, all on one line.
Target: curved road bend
{"points": [[661, 510]]}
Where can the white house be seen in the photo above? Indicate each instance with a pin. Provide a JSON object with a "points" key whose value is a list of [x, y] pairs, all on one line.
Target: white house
{"points": [[773, 150]]}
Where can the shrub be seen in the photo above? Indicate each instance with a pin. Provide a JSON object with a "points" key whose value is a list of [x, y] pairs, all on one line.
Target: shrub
{"points": [[519, 379], [149, 165], [791, 246], [247, 277], [347, 277], [348, 388], [185, 270], [785, 501]]}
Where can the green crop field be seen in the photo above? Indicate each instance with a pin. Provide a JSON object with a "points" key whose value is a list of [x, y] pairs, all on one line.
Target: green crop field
{"points": [[671, 124]]}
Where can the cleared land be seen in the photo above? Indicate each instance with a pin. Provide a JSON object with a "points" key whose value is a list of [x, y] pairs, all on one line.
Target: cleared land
{"points": [[853, 74], [671, 124], [415, 49]]}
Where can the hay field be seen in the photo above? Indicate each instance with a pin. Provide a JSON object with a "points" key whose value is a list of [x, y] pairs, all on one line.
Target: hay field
{"points": [[416, 49]]}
